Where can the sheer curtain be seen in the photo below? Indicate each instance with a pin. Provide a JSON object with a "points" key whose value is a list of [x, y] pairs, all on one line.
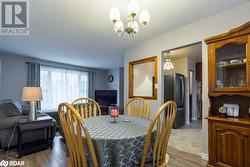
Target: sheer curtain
{"points": [[62, 85]]}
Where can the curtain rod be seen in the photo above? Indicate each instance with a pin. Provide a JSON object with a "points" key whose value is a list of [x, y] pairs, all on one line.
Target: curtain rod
{"points": [[77, 68]]}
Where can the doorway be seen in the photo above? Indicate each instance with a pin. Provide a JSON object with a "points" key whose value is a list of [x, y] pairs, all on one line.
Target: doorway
{"points": [[187, 60]]}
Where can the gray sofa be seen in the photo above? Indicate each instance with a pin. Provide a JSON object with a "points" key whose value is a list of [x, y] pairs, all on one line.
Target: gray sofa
{"points": [[10, 113]]}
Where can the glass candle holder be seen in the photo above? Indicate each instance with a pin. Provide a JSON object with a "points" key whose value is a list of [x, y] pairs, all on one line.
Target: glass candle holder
{"points": [[114, 114]]}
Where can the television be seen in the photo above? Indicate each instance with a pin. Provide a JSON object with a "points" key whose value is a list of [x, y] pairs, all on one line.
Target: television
{"points": [[106, 97]]}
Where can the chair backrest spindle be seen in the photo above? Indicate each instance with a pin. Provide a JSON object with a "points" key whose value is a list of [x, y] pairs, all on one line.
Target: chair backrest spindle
{"points": [[160, 126], [138, 107], [74, 131], [87, 107]]}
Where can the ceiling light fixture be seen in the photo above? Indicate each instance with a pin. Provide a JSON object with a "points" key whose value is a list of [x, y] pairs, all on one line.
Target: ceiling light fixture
{"points": [[132, 26], [168, 65]]}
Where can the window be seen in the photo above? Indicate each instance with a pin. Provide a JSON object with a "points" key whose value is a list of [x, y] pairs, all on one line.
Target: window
{"points": [[62, 85]]}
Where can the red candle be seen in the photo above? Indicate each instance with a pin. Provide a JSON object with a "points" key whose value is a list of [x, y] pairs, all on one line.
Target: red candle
{"points": [[114, 112]]}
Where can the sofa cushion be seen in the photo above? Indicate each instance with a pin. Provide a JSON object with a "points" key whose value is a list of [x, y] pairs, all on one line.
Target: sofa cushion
{"points": [[10, 109]]}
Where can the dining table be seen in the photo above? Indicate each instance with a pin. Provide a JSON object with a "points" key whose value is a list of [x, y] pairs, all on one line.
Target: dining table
{"points": [[119, 144]]}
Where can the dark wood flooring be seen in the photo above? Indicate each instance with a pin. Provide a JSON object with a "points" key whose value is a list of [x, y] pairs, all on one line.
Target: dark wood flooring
{"points": [[57, 158]]}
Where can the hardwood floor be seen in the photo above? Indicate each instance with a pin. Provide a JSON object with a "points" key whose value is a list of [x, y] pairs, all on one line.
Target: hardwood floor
{"points": [[183, 159], [57, 158]]}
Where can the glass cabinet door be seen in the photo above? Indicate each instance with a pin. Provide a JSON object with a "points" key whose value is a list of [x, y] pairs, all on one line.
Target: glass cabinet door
{"points": [[231, 60]]}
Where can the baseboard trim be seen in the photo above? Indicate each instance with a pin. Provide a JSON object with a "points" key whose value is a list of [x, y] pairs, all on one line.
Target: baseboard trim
{"points": [[204, 156]]}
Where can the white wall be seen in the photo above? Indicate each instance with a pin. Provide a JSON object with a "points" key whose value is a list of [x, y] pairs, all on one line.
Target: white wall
{"points": [[188, 34]]}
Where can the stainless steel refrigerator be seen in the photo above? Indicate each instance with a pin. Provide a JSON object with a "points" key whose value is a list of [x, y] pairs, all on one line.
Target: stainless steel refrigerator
{"points": [[174, 90]]}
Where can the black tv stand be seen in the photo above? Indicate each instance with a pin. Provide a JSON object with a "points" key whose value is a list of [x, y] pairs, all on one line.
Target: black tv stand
{"points": [[104, 109]]}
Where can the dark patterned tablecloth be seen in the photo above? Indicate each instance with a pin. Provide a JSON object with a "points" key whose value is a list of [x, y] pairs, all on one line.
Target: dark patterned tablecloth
{"points": [[118, 144]]}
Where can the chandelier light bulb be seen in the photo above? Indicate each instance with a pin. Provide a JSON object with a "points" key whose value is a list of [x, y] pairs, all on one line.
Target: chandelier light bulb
{"points": [[133, 8], [144, 17], [132, 25], [114, 14], [135, 26], [119, 26], [168, 65]]}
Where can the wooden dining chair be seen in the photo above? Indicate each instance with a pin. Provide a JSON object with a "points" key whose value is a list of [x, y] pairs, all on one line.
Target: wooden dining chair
{"points": [[138, 107], [74, 131], [160, 126], [87, 107]]}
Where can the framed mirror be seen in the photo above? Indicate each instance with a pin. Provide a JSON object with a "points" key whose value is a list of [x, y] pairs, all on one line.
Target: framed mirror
{"points": [[143, 78]]}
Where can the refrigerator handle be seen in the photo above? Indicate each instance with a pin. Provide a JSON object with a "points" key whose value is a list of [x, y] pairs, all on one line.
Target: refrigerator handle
{"points": [[182, 90]]}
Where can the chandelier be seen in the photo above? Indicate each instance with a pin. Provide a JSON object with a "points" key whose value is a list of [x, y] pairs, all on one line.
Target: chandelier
{"points": [[132, 26], [168, 65]]}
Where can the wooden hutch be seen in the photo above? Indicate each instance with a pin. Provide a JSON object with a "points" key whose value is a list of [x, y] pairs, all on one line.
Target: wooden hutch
{"points": [[229, 83]]}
